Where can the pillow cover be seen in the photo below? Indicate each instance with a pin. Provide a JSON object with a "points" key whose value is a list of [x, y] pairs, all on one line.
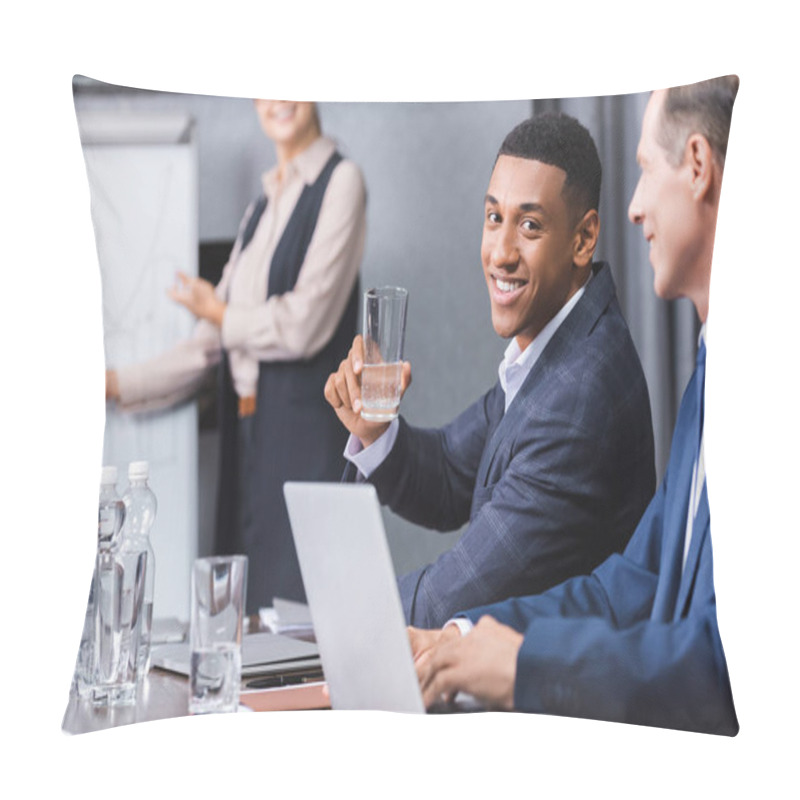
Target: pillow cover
{"points": [[171, 177]]}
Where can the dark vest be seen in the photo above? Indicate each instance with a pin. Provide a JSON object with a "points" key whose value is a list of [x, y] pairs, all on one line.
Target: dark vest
{"points": [[294, 434]]}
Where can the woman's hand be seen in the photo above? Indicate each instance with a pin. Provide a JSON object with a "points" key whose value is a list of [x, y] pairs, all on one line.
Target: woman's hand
{"points": [[199, 297], [112, 385]]}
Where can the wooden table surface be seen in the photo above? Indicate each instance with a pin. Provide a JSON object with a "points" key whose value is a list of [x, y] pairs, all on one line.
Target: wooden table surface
{"points": [[161, 695]]}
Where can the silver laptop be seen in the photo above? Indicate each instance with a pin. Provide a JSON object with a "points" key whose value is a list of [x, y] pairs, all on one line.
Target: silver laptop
{"points": [[352, 592]]}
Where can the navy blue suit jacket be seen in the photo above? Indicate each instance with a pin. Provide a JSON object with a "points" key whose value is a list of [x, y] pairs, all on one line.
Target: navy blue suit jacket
{"points": [[550, 488], [637, 640]]}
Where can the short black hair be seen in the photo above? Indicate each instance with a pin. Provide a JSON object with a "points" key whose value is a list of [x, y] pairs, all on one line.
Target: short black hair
{"points": [[559, 140], [705, 108]]}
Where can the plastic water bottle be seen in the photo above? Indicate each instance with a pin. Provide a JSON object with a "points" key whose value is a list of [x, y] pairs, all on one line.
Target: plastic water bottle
{"points": [[140, 513], [119, 594], [110, 518], [119, 590]]}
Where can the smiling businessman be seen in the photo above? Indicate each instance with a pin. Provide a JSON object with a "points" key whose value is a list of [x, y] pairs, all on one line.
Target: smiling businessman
{"points": [[553, 466]]}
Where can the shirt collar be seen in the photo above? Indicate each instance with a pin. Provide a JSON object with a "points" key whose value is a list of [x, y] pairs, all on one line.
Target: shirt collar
{"points": [[516, 363], [306, 165]]}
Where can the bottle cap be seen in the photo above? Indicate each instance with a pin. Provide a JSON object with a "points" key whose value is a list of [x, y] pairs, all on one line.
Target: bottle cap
{"points": [[138, 470], [108, 475]]}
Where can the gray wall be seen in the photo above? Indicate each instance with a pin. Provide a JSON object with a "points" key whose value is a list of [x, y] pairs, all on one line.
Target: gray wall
{"points": [[426, 167]]}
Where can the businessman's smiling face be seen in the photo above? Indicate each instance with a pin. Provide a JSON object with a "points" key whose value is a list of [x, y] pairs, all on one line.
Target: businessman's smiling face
{"points": [[528, 247], [666, 208]]}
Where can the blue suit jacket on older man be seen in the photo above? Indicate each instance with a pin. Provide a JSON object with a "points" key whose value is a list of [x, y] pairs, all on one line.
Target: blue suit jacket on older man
{"points": [[637, 640], [550, 488]]}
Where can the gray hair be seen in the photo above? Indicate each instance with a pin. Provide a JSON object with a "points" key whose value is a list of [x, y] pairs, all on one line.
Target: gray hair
{"points": [[705, 108]]}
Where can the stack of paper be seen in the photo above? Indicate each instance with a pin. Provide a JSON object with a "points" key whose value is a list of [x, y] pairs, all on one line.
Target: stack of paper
{"points": [[289, 617]]}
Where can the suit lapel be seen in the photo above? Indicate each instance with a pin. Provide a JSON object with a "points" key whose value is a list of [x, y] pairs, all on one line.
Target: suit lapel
{"points": [[599, 293]]}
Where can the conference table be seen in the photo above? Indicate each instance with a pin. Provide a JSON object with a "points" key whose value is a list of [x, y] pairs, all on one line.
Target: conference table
{"points": [[163, 695]]}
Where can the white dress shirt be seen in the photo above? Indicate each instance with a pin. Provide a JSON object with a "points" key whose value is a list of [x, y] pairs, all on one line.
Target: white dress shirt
{"points": [[698, 476]]}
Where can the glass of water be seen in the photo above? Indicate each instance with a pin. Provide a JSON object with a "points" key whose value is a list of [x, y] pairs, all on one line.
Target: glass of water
{"points": [[384, 336], [219, 587]]}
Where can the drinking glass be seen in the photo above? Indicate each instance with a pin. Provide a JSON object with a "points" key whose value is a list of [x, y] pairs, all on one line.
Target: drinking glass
{"points": [[218, 590], [384, 335]]}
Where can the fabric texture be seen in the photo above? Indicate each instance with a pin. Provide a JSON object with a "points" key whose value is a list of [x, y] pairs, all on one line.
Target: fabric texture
{"points": [[637, 640], [550, 488]]}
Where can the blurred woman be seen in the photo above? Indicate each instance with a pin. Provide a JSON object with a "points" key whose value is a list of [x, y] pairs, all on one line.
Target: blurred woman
{"points": [[280, 320]]}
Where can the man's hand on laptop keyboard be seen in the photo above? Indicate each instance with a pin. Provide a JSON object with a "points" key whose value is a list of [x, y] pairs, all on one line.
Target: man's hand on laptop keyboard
{"points": [[483, 663], [423, 640]]}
